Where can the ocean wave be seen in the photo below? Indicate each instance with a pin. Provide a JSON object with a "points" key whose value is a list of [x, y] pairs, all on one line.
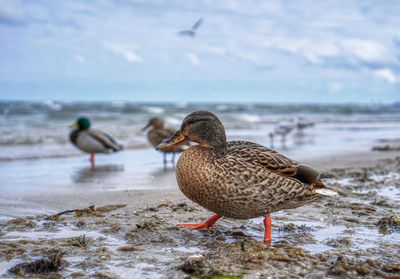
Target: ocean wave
{"points": [[118, 104], [222, 107], [42, 124], [125, 106], [171, 121], [181, 105], [52, 105], [154, 110], [246, 117]]}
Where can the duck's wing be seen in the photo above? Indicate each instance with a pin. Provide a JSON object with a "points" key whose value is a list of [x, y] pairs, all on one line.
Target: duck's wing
{"points": [[197, 24], [274, 161], [186, 33], [106, 140], [73, 136], [250, 171]]}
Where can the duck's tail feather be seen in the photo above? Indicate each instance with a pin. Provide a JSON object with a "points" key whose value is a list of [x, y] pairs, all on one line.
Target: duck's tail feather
{"points": [[327, 192], [323, 190], [120, 147]]}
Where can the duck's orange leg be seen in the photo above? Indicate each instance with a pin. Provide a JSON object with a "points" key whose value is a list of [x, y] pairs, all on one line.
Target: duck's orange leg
{"points": [[267, 235], [209, 223], [92, 158]]}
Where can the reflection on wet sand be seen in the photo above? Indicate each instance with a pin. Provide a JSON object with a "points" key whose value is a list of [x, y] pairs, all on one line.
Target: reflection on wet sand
{"points": [[301, 139], [163, 177], [88, 174]]}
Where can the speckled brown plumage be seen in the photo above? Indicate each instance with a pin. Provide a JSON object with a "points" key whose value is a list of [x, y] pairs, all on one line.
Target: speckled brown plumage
{"points": [[245, 181], [238, 179]]}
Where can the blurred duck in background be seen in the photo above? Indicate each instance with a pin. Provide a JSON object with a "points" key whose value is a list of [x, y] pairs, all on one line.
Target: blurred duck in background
{"points": [[158, 133], [302, 124], [282, 129], [92, 141]]}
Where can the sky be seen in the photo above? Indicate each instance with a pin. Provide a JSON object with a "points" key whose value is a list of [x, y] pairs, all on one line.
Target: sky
{"points": [[245, 51]]}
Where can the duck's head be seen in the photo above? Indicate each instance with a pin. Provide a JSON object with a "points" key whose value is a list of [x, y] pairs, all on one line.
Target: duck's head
{"points": [[202, 127], [81, 123], [154, 122]]}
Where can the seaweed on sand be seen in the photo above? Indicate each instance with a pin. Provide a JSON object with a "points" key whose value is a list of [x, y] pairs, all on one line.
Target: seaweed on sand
{"points": [[51, 264]]}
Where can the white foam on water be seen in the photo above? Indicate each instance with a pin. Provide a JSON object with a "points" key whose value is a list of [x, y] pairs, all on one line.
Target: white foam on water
{"points": [[137, 271], [62, 233], [119, 268], [155, 110], [6, 265], [190, 250]]}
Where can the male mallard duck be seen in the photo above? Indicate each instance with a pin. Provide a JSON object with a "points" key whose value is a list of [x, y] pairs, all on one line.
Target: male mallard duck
{"points": [[239, 179], [158, 133], [92, 141]]}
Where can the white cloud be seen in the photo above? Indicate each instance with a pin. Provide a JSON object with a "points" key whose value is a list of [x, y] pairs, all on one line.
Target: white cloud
{"points": [[214, 50], [79, 58], [246, 56], [125, 51], [386, 74], [335, 87], [244, 40], [369, 51], [313, 51], [192, 58], [286, 44], [11, 13], [311, 57]]}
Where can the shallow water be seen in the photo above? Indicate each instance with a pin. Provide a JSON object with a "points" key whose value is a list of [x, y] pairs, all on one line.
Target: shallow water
{"points": [[38, 130], [43, 166], [36, 158], [62, 233], [24, 183]]}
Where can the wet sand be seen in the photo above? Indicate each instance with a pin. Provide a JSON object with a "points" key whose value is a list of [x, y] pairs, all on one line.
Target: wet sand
{"points": [[352, 235]]}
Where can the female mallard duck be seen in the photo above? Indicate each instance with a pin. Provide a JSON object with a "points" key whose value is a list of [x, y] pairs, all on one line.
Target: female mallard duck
{"points": [[92, 141], [158, 133], [239, 179]]}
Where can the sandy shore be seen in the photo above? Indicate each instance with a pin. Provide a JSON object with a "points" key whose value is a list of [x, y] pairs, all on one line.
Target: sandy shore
{"points": [[353, 235]]}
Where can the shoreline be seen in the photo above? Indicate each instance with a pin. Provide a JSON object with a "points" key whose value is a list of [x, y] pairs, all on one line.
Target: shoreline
{"points": [[332, 237], [64, 197]]}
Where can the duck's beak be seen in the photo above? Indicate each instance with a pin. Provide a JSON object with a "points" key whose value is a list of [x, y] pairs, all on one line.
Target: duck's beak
{"points": [[175, 139], [75, 125], [145, 127]]}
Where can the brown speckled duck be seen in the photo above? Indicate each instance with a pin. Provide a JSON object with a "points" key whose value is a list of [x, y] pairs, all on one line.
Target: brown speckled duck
{"points": [[158, 133], [239, 179]]}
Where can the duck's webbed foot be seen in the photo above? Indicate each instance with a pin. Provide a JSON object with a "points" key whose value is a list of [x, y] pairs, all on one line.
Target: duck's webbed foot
{"points": [[209, 223]]}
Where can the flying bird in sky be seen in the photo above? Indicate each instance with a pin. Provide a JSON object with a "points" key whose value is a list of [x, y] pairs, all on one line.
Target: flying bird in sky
{"points": [[191, 32]]}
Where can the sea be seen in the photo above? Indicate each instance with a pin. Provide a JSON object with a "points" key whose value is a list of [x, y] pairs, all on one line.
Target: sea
{"points": [[34, 130], [42, 173]]}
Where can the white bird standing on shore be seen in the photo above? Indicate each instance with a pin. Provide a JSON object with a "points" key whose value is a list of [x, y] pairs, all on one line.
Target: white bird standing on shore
{"points": [[301, 124], [282, 129], [191, 32]]}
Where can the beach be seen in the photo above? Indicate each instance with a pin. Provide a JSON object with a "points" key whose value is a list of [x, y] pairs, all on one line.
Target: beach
{"points": [[131, 233], [119, 219], [292, 103]]}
